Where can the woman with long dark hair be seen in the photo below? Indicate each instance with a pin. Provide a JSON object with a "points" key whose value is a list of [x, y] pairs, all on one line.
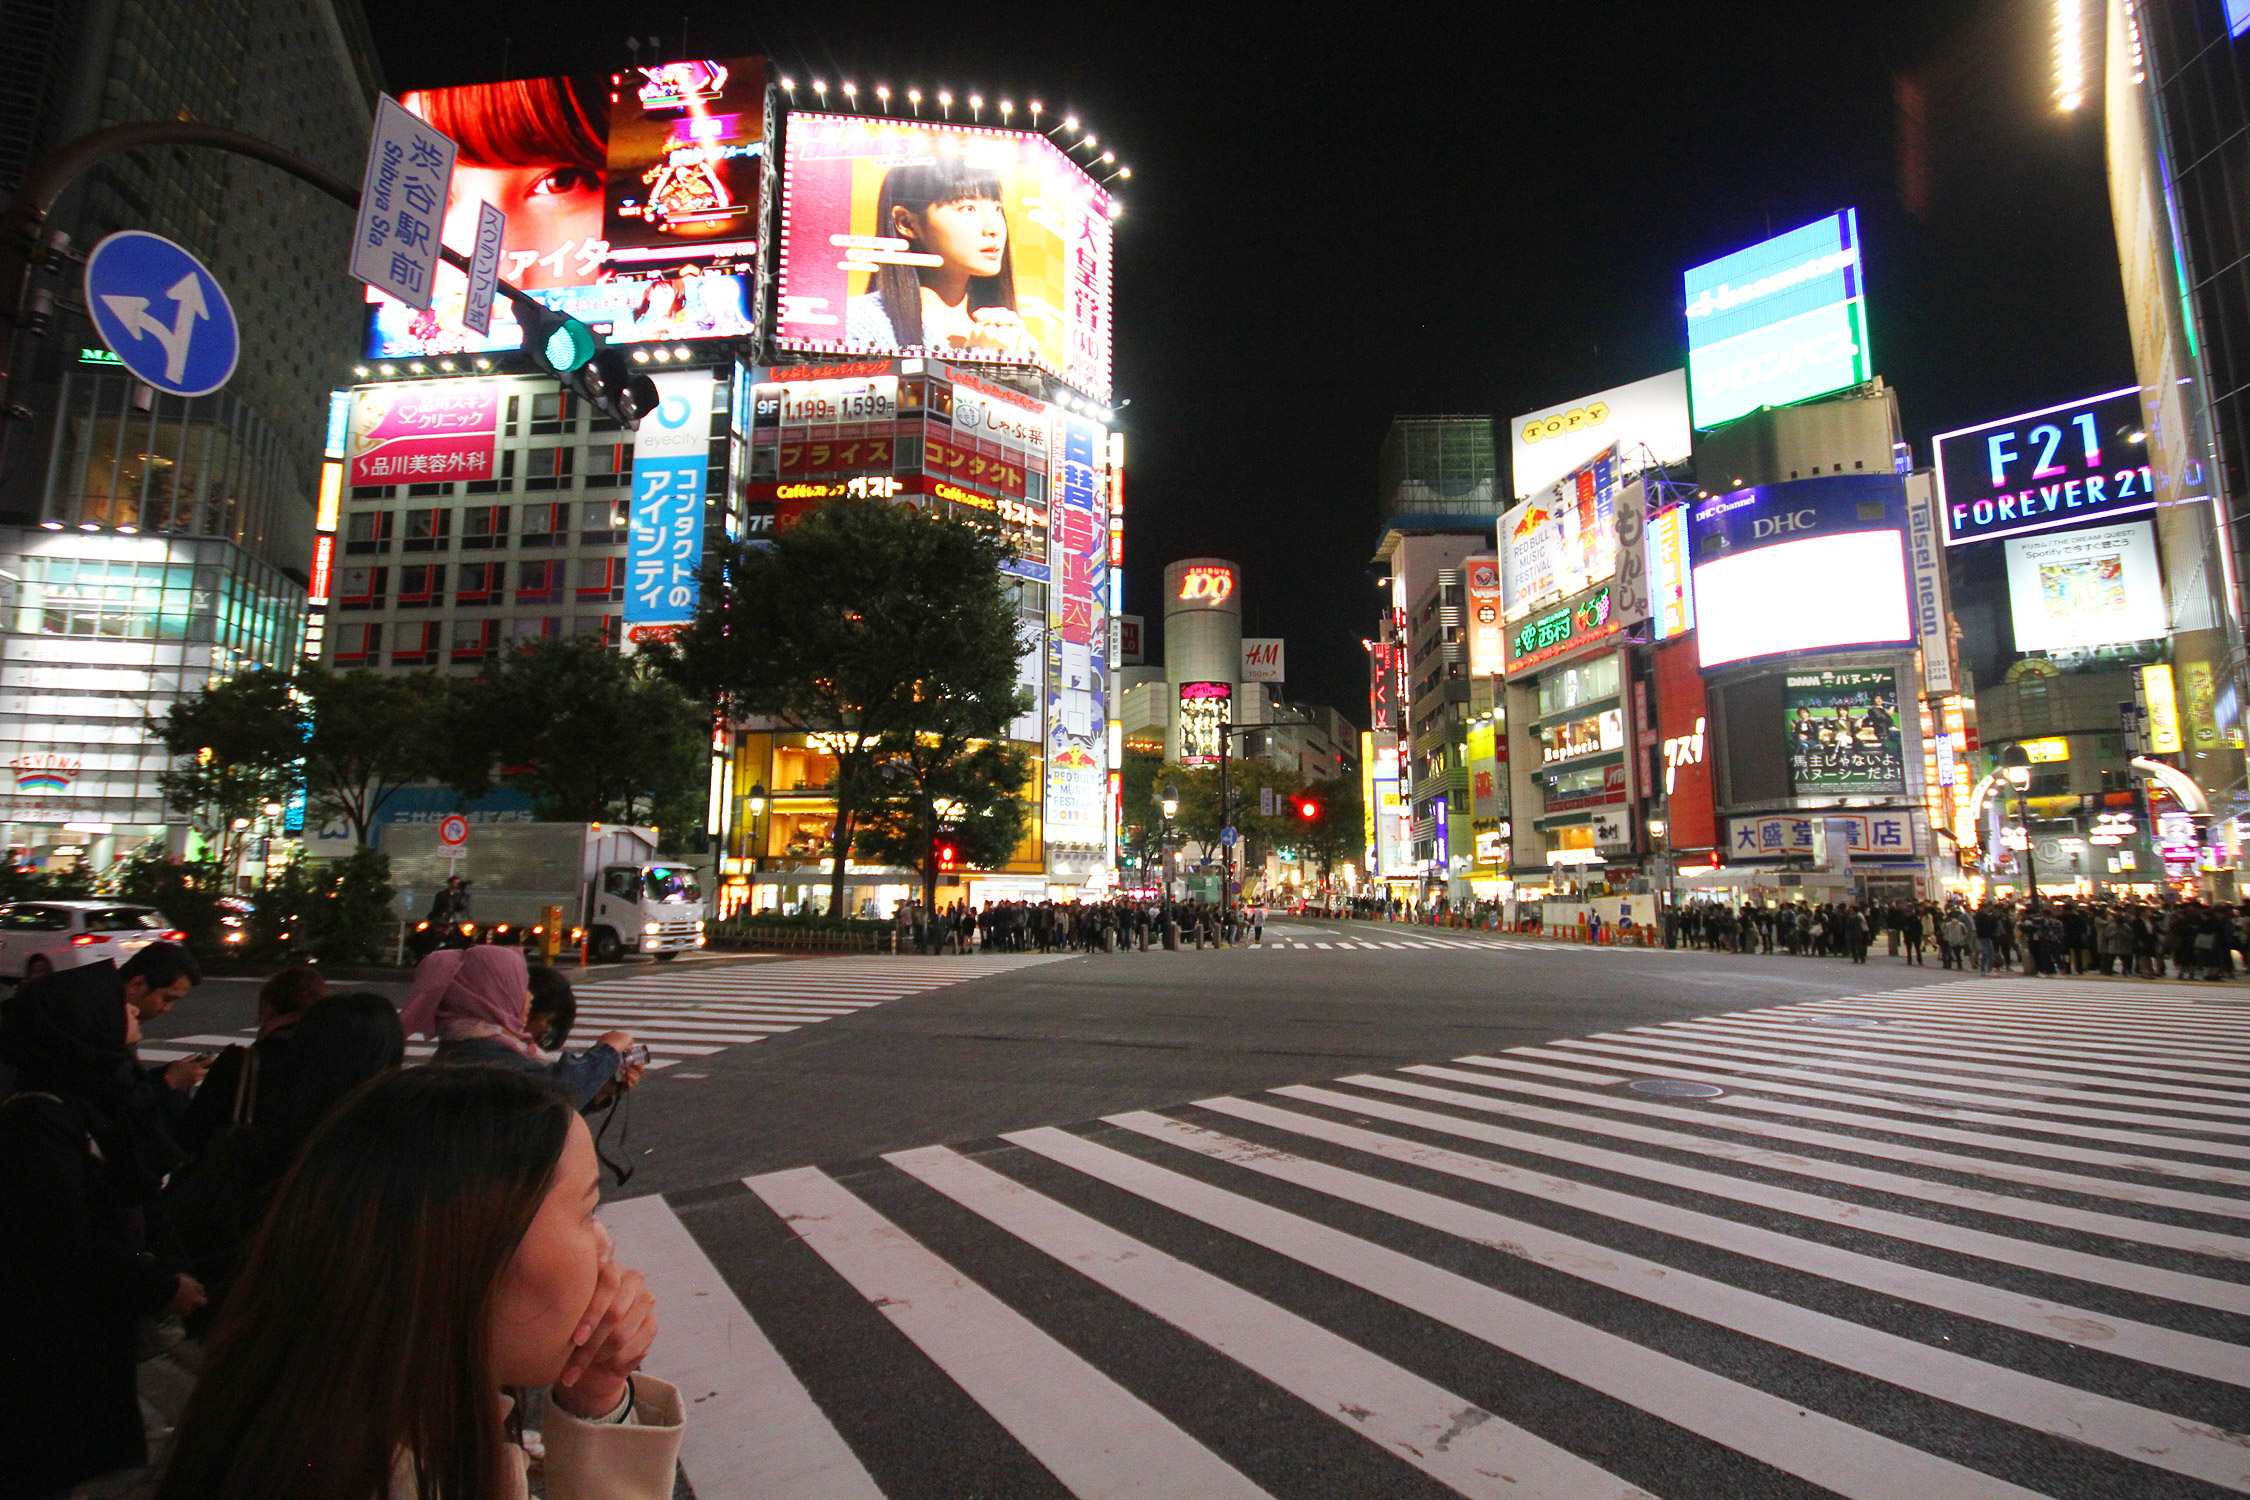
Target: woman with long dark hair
{"points": [[963, 293], [435, 1246]]}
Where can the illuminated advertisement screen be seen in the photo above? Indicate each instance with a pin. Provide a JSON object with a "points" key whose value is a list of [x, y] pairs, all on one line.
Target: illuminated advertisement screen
{"points": [[2064, 465], [1782, 321], [1204, 715], [966, 242], [1646, 422], [1844, 732], [1486, 653], [632, 204], [1671, 602], [1562, 630], [423, 432], [2096, 587], [1561, 540], [1806, 565]]}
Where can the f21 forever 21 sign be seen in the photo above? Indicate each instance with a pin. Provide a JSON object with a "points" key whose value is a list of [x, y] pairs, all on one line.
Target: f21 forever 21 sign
{"points": [[2065, 465]]}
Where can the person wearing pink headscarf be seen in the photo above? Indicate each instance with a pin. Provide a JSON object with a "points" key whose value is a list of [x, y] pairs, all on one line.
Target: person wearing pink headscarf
{"points": [[475, 1001]]}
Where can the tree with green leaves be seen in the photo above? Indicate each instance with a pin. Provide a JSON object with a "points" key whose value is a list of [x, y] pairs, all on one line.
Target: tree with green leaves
{"points": [[589, 735], [241, 741], [938, 791], [368, 736], [867, 624]]}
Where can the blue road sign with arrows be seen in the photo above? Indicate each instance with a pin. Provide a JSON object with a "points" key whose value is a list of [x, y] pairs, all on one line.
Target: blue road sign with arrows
{"points": [[162, 313]]}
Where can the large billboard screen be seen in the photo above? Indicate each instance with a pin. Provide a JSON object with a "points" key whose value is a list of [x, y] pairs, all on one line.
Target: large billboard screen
{"points": [[632, 204], [1844, 732], [1646, 422], [1561, 540], [2096, 587], [1806, 565], [965, 242], [1784, 320], [2085, 460]]}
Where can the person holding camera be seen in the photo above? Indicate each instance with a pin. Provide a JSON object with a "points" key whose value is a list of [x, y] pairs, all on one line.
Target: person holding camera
{"points": [[477, 1004]]}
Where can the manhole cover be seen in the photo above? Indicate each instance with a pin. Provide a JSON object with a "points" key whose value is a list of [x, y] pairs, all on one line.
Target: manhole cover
{"points": [[1675, 1088]]}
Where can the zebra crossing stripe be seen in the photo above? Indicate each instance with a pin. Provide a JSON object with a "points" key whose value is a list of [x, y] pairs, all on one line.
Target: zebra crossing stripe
{"points": [[1455, 1442], [1091, 1433], [756, 1431], [1846, 1459], [1901, 1042]]}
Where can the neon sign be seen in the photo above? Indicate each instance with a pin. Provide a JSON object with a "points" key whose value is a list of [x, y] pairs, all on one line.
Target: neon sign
{"points": [[1206, 584], [1563, 630]]}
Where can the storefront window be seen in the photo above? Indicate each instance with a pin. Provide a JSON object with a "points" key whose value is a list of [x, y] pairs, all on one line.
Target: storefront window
{"points": [[802, 768], [1566, 688], [1588, 736]]}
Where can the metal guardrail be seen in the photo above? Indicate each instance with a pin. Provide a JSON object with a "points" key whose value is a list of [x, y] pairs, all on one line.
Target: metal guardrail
{"points": [[867, 937]]}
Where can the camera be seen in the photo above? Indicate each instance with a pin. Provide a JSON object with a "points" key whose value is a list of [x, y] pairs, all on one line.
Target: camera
{"points": [[637, 1053]]}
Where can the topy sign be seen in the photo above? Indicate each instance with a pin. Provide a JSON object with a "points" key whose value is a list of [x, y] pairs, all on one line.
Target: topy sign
{"points": [[2058, 466]]}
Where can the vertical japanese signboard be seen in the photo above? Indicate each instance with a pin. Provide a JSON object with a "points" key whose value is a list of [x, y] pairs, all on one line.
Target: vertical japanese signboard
{"points": [[664, 549], [402, 205], [1078, 562]]}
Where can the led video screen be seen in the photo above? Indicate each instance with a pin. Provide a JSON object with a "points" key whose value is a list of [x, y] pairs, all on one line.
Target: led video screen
{"points": [[1781, 321], [2096, 587], [632, 204], [965, 242], [1817, 594]]}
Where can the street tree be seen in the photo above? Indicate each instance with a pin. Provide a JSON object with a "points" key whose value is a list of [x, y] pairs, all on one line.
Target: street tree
{"points": [[367, 736], [589, 735], [240, 743], [1336, 833], [939, 793], [865, 624]]}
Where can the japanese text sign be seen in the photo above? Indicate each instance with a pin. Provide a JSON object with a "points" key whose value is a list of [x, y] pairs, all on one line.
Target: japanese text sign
{"points": [[402, 205], [664, 548]]}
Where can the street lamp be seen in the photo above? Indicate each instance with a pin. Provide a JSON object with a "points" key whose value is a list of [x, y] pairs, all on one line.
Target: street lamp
{"points": [[2015, 768], [756, 802], [1169, 803]]}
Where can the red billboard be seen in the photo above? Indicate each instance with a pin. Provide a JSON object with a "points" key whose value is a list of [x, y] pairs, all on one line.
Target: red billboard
{"points": [[1685, 746]]}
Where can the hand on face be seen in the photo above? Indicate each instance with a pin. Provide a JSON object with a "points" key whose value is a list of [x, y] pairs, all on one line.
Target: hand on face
{"points": [[997, 328]]}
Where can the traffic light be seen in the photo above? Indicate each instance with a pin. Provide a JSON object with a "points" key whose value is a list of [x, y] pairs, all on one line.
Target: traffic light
{"points": [[595, 371], [1307, 808], [948, 856]]}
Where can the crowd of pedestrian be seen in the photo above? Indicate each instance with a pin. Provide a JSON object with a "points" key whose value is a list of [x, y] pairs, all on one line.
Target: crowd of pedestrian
{"points": [[1121, 925], [319, 1273], [2067, 935]]}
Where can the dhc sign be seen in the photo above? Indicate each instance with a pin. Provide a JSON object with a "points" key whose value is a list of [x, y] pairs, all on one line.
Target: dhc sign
{"points": [[2064, 465]]}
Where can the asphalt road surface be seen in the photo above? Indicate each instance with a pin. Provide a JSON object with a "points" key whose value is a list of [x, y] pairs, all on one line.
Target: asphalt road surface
{"points": [[1443, 1215]]}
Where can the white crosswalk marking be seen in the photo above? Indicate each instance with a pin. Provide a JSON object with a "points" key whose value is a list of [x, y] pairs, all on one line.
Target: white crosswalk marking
{"points": [[1803, 1274]]}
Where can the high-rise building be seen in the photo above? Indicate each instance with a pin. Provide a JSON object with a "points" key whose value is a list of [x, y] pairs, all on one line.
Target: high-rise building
{"points": [[1438, 466], [149, 544]]}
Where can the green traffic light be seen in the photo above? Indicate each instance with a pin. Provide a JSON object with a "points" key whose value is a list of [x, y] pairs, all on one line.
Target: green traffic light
{"points": [[570, 344]]}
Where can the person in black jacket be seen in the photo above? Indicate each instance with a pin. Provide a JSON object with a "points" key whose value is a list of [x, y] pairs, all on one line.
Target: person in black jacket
{"points": [[81, 1251], [230, 1092]]}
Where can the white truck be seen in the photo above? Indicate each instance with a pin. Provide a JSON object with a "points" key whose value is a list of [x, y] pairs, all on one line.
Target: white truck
{"points": [[615, 893]]}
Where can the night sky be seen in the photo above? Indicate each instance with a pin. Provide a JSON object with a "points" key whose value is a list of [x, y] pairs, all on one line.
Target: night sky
{"points": [[1461, 209]]}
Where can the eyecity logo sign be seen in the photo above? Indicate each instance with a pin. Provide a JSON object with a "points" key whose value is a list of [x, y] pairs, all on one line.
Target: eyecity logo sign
{"points": [[2061, 465], [1779, 322], [1207, 585]]}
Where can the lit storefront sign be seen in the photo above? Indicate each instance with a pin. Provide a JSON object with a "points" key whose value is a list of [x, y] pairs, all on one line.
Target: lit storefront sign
{"points": [[1206, 585], [1671, 601], [1205, 709], [2163, 709], [1562, 630], [2057, 466]]}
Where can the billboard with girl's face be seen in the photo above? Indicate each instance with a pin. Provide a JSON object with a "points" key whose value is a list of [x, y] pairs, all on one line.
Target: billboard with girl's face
{"points": [[922, 237], [632, 204]]}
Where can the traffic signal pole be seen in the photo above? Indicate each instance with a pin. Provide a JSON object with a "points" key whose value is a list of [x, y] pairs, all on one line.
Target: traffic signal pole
{"points": [[27, 250]]}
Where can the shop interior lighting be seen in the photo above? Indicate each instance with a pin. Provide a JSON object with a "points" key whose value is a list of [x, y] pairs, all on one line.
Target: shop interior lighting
{"points": [[2070, 54]]}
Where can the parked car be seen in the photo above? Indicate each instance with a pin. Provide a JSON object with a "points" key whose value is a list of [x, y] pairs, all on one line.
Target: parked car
{"points": [[39, 937]]}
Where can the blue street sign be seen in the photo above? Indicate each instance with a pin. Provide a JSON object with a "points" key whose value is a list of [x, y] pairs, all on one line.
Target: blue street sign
{"points": [[162, 313], [1227, 836]]}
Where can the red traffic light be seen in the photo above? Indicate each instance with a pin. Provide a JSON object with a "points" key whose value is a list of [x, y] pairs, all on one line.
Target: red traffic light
{"points": [[948, 857], [1307, 808]]}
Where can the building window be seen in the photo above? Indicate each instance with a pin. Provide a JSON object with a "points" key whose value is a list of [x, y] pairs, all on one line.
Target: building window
{"points": [[545, 525], [368, 531], [505, 478], [374, 492], [603, 628], [604, 520], [608, 465], [548, 468], [484, 526], [415, 644], [539, 582], [552, 412], [601, 578], [362, 588], [422, 587], [474, 640], [478, 583], [428, 531], [358, 645], [524, 630]]}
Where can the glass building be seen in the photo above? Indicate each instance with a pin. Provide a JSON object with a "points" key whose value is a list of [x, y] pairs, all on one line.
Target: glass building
{"points": [[1439, 466]]}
